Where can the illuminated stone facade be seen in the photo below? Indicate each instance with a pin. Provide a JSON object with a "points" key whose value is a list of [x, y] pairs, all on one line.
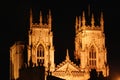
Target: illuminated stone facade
{"points": [[90, 45], [40, 48], [89, 49]]}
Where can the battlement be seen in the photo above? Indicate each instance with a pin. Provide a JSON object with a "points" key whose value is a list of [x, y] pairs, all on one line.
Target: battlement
{"points": [[80, 23], [91, 28], [46, 24], [37, 25]]}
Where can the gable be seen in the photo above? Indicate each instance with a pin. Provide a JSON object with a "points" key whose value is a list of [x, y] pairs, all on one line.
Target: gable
{"points": [[68, 69], [67, 66]]}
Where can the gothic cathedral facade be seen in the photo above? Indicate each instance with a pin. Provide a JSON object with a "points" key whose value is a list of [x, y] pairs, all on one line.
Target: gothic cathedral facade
{"points": [[90, 50]]}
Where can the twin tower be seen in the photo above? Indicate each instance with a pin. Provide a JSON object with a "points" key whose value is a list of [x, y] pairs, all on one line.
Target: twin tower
{"points": [[90, 49]]}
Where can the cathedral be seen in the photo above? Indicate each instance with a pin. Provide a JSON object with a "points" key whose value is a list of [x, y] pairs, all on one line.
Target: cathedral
{"points": [[90, 50]]}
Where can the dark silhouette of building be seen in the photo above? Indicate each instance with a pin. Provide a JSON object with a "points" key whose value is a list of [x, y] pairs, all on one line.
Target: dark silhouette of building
{"points": [[32, 73], [50, 77], [94, 75]]}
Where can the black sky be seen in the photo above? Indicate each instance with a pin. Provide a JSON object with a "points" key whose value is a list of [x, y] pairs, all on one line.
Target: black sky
{"points": [[15, 23]]}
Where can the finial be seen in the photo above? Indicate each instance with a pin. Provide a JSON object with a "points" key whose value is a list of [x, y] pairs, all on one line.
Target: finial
{"points": [[67, 56]]}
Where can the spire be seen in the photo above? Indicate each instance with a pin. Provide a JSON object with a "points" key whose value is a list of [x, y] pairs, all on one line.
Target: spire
{"points": [[92, 21], [67, 56], [49, 19], [40, 18], [30, 17], [102, 21], [83, 19], [76, 24]]}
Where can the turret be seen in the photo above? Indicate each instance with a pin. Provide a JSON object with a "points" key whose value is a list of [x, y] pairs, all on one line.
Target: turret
{"points": [[49, 19], [76, 24], [102, 22], [92, 21], [30, 18], [79, 22], [83, 20], [40, 18]]}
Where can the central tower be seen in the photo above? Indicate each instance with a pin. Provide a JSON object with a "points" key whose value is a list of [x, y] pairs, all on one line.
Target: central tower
{"points": [[40, 46]]}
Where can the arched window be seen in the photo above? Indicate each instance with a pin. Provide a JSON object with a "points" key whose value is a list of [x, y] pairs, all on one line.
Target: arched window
{"points": [[40, 51], [40, 54], [92, 57]]}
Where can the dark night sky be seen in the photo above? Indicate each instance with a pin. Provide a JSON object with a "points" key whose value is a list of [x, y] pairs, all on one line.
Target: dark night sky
{"points": [[15, 23]]}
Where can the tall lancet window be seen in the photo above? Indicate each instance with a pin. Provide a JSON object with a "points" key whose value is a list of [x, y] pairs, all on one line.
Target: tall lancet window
{"points": [[92, 57], [40, 54]]}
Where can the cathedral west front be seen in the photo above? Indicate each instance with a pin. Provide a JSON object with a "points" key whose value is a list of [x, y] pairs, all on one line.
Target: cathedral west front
{"points": [[90, 50]]}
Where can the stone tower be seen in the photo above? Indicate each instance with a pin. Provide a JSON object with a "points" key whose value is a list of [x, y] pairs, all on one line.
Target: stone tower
{"points": [[90, 47], [40, 46], [16, 59]]}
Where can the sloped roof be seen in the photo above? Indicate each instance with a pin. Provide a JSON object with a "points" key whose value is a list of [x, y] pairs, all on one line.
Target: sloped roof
{"points": [[67, 65]]}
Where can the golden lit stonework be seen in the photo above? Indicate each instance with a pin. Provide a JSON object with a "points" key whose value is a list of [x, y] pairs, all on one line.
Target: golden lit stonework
{"points": [[90, 50], [41, 48], [90, 45]]}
